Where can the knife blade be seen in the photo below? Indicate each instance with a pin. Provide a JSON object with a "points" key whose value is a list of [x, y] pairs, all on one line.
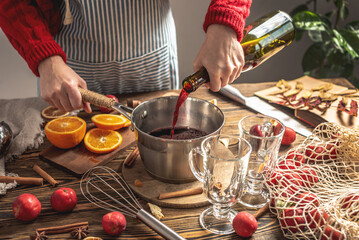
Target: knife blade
{"points": [[265, 108]]}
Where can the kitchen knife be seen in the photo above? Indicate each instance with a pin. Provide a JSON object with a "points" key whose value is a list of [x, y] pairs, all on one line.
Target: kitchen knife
{"points": [[262, 107]]}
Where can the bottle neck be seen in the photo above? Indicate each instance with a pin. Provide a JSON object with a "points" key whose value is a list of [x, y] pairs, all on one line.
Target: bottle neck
{"points": [[194, 81]]}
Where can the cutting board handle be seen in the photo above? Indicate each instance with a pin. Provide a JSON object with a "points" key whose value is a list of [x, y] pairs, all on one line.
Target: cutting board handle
{"points": [[96, 98]]}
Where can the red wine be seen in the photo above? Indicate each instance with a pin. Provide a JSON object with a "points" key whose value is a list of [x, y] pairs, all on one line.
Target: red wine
{"points": [[182, 97], [179, 133]]}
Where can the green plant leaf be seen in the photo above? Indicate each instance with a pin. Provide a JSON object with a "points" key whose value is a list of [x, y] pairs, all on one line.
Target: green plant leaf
{"points": [[316, 36], [344, 12], [313, 58], [345, 44], [307, 20], [353, 26], [352, 38]]}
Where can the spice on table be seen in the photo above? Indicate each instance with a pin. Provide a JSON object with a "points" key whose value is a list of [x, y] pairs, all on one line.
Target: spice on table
{"points": [[130, 159], [80, 233], [138, 183], [22, 180], [156, 211], [45, 175], [261, 211], [62, 229], [133, 103], [181, 193], [39, 236]]}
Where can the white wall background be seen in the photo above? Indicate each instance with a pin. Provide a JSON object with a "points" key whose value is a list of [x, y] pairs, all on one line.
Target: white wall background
{"points": [[17, 81]]}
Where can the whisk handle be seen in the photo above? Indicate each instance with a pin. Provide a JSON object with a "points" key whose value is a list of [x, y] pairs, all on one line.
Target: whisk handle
{"points": [[158, 226]]}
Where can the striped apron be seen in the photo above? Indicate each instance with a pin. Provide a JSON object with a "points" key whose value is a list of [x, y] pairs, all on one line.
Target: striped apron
{"points": [[121, 46]]}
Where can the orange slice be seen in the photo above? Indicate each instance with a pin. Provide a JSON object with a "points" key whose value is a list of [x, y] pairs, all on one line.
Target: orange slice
{"points": [[102, 141], [109, 121], [92, 238], [65, 132], [51, 112], [127, 123]]}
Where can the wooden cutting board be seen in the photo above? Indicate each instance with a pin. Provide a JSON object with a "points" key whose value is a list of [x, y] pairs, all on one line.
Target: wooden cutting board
{"points": [[78, 159]]}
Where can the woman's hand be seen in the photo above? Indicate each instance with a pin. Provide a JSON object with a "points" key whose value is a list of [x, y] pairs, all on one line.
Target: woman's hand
{"points": [[59, 85], [222, 56]]}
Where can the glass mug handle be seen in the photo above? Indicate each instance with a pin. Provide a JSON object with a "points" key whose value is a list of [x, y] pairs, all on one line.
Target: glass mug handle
{"points": [[193, 163]]}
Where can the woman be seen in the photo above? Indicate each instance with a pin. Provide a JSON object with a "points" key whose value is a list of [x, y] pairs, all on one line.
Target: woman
{"points": [[117, 46]]}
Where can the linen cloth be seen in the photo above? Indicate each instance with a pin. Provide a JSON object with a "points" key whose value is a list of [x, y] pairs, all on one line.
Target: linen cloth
{"points": [[24, 118]]}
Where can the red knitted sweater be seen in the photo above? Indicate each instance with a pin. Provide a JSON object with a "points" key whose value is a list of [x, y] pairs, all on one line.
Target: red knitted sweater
{"points": [[30, 25]]}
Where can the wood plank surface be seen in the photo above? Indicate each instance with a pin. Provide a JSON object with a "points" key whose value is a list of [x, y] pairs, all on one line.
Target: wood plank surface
{"points": [[183, 221]]}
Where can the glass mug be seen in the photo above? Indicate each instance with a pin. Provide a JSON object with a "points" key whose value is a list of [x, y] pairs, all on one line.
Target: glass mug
{"points": [[263, 157], [225, 159]]}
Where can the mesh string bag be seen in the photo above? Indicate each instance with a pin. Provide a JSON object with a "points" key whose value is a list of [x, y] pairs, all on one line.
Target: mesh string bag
{"points": [[314, 190]]}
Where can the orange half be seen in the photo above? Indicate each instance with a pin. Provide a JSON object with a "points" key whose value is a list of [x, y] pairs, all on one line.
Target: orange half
{"points": [[109, 121], [65, 132], [102, 141]]}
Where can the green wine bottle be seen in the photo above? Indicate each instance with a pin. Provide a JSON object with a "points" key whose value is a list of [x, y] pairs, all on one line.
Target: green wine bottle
{"points": [[262, 39]]}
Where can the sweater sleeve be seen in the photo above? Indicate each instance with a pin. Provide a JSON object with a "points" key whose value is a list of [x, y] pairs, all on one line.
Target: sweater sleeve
{"points": [[231, 13], [28, 32]]}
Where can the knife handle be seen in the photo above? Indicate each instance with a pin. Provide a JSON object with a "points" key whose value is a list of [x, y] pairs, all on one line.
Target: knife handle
{"points": [[233, 93], [96, 98]]}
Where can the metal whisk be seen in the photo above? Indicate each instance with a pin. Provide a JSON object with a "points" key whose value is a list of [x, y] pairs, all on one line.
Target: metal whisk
{"points": [[96, 185]]}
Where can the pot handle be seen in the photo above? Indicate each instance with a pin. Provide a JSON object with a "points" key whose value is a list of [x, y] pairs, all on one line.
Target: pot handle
{"points": [[193, 163], [103, 101]]}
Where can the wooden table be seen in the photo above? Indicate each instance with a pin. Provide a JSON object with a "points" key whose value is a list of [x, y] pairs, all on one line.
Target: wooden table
{"points": [[183, 221]]}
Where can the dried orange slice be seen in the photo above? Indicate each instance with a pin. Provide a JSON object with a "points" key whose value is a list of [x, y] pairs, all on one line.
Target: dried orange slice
{"points": [[51, 112], [92, 238], [109, 121], [65, 132], [102, 141]]}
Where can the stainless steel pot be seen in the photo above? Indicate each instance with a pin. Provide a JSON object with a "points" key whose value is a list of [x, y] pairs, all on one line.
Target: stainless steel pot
{"points": [[165, 159]]}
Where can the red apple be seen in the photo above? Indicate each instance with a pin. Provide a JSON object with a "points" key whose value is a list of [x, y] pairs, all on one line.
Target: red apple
{"points": [[308, 175], [106, 110], [114, 223], [296, 156], [330, 233], [316, 217], [63, 200], [256, 130], [26, 207], [244, 224], [283, 199], [286, 164], [277, 129], [292, 219], [315, 154], [289, 136], [306, 198], [331, 152], [352, 198], [285, 179]]}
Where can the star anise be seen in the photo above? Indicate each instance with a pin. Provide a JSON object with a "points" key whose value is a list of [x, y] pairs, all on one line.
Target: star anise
{"points": [[80, 233], [40, 236]]}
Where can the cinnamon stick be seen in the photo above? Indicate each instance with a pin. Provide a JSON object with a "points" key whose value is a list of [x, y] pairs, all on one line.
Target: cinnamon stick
{"points": [[22, 180], [132, 103], [181, 193], [45, 175], [261, 211], [62, 229], [130, 159]]}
